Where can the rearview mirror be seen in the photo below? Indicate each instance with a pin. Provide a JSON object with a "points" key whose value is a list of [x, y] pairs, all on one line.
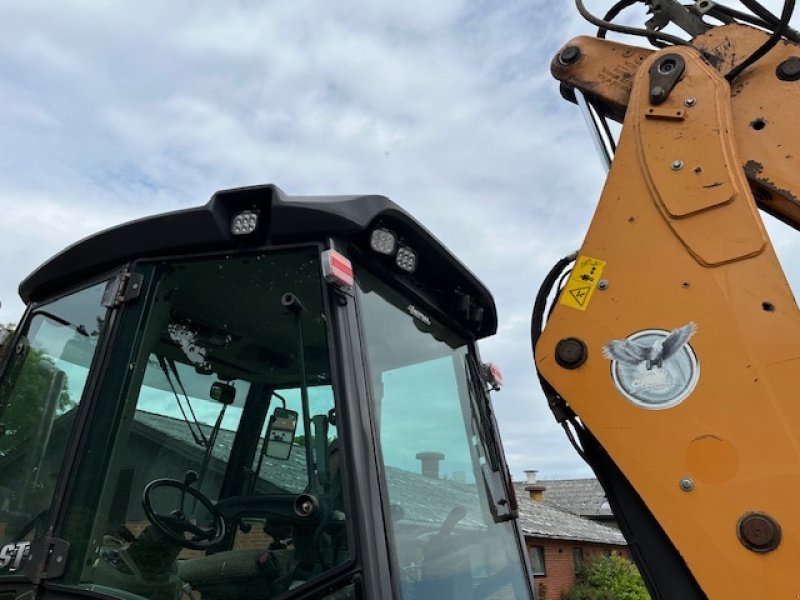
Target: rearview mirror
{"points": [[280, 433]]}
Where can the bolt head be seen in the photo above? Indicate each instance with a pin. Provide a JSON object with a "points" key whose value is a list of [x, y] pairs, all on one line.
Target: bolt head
{"points": [[676, 165], [689, 102], [789, 70], [657, 92], [759, 532], [602, 284], [571, 353], [569, 55], [687, 484]]}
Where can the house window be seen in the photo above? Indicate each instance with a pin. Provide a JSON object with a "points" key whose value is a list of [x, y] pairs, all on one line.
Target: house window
{"points": [[537, 560], [577, 558]]}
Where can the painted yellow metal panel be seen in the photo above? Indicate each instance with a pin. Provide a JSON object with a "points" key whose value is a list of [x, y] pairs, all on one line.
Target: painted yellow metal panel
{"points": [[736, 433]]}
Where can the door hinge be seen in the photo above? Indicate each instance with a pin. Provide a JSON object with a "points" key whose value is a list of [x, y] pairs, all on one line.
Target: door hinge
{"points": [[126, 286], [47, 559]]}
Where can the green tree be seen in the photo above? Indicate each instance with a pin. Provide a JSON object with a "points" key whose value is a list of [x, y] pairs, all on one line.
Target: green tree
{"points": [[608, 578], [26, 396]]}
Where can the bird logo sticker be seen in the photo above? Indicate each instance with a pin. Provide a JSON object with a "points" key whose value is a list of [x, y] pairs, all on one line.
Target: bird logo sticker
{"points": [[654, 368]]}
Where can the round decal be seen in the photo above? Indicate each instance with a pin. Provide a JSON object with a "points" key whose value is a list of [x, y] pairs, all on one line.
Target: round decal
{"points": [[654, 368]]}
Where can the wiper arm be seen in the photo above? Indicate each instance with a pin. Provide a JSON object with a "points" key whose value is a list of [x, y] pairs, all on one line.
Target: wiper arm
{"points": [[81, 329], [481, 405], [198, 435]]}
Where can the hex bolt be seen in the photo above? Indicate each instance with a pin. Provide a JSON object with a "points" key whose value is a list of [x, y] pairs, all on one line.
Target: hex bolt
{"points": [[602, 284], [689, 102], [571, 353], [569, 55], [676, 165], [687, 484]]}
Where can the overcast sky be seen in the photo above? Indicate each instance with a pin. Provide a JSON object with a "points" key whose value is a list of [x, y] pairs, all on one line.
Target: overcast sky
{"points": [[112, 112]]}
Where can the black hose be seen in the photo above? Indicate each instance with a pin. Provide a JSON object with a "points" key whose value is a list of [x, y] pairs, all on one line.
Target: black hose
{"points": [[540, 305], [771, 20], [612, 14], [731, 15], [558, 407], [652, 35], [780, 30]]}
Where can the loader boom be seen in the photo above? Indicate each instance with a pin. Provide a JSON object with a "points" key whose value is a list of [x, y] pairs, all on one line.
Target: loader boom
{"points": [[672, 350]]}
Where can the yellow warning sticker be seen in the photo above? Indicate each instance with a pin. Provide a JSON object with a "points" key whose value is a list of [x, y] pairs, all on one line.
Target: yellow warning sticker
{"points": [[582, 282]]}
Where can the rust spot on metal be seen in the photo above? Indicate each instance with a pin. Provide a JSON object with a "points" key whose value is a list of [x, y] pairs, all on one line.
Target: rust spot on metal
{"points": [[753, 169]]}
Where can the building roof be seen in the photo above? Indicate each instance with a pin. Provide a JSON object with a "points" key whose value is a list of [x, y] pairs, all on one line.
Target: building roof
{"points": [[584, 497], [284, 475], [423, 500], [542, 520]]}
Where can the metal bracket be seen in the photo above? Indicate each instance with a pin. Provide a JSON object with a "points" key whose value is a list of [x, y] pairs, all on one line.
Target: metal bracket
{"points": [[664, 74], [125, 287], [671, 11], [47, 559], [701, 7]]}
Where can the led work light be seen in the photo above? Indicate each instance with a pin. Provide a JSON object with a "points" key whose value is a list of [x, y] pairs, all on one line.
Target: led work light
{"points": [[406, 259], [244, 222], [383, 241]]}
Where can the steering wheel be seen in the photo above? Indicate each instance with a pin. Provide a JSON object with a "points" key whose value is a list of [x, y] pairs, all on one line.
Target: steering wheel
{"points": [[175, 525]]}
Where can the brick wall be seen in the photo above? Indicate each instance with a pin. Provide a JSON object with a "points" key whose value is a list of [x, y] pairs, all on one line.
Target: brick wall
{"points": [[559, 563]]}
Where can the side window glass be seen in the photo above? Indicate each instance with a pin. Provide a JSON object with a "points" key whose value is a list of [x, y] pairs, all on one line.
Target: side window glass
{"points": [[349, 592], [39, 396], [446, 541]]}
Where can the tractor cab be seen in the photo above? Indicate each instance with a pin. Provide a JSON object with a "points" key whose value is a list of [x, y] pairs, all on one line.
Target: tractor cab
{"points": [[264, 397]]}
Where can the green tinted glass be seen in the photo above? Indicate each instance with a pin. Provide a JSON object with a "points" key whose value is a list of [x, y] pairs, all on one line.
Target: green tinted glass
{"points": [[39, 396], [447, 545], [220, 475]]}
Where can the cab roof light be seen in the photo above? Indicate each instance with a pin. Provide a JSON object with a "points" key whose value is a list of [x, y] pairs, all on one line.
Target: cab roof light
{"points": [[406, 259], [244, 223], [383, 241], [337, 269]]}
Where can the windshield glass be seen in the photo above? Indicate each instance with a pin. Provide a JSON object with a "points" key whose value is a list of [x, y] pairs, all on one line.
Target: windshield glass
{"points": [[39, 396], [447, 543], [212, 468]]}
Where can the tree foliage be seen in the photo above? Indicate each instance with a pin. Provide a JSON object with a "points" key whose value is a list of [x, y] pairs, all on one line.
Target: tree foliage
{"points": [[26, 395], [608, 578]]}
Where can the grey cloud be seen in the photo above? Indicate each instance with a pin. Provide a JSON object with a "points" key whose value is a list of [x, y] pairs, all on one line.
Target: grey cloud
{"points": [[110, 113]]}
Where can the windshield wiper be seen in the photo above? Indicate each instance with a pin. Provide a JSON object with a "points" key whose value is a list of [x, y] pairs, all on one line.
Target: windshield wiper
{"points": [[296, 307], [197, 433], [81, 329], [496, 479]]}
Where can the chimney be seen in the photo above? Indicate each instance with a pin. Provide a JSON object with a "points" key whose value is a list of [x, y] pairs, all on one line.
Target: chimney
{"points": [[430, 463], [535, 490]]}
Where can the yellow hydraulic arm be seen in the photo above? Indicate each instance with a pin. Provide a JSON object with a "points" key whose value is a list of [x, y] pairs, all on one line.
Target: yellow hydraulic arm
{"points": [[673, 350]]}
